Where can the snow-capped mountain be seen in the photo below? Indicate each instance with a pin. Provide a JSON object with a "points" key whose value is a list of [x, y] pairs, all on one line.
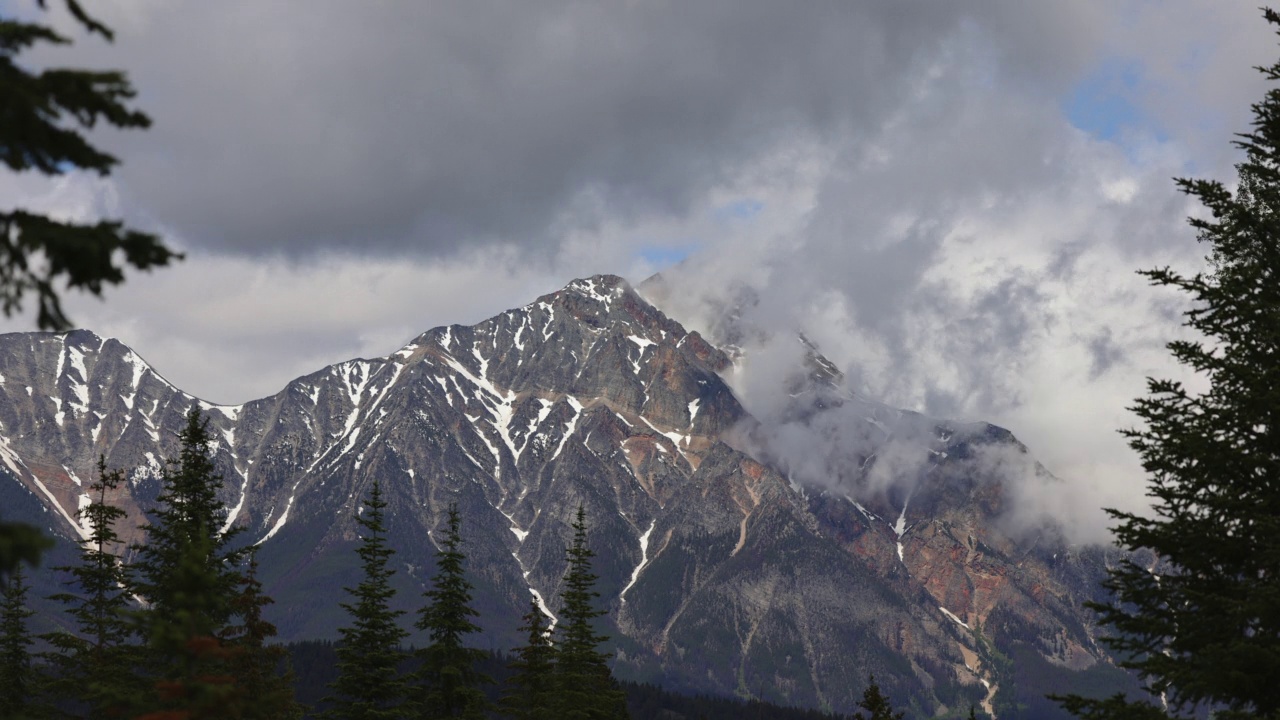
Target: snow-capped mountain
{"points": [[721, 574]]}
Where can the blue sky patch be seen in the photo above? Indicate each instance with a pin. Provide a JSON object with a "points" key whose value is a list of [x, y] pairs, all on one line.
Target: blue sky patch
{"points": [[667, 255], [1103, 104], [743, 209]]}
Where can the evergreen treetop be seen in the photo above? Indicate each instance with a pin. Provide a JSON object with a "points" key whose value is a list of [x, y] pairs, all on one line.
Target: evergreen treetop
{"points": [[586, 688], [88, 665], [1203, 627], [188, 528], [448, 683], [531, 693], [254, 663], [369, 685], [877, 705], [187, 573]]}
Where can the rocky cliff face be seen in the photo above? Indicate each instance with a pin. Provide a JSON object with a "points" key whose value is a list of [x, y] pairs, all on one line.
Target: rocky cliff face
{"points": [[721, 574]]}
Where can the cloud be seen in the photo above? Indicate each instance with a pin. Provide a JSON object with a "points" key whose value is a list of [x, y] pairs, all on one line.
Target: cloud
{"points": [[974, 258], [909, 183], [425, 126]]}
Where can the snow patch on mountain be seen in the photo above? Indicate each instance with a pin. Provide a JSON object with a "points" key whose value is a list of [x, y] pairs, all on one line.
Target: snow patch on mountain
{"points": [[644, 560]]}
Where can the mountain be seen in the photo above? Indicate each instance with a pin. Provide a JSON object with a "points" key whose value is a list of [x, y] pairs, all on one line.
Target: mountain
{"points": [[721, 573]]}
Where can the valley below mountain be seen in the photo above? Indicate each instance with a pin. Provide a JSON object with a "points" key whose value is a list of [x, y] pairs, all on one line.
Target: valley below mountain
{"points": [[721, 571]]}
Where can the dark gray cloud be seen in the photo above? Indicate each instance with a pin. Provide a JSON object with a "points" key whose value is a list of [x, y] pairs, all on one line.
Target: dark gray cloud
{"points": [[921, 203], [422, 126]]}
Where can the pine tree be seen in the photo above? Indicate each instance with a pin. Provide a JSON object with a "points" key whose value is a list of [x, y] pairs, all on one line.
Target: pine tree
{"points": [[369, 685], [44, 113], [586, 688], [96, 668], [531, 693], [447, 682], [187, 573], [190, 513], [260, 669], [17, 676], [1205, 631], [877, 705]]}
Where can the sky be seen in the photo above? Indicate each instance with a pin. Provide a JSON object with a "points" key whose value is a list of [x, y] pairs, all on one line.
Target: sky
{"points": [[950, 198]]}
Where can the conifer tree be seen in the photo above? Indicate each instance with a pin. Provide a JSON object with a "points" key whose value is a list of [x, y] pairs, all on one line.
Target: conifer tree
{"points": [[187, 573], [1203, 628], [369, 685], [877, 705], [448, 685], [97, 668], [531, 693], [585, 686], [17, 676], [260, 669], [44, 115], [188, 513]]}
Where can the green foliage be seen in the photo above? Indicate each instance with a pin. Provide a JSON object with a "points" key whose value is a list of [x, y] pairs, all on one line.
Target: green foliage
{"points": [[586, 688], [255, 664], [17, 676], [369, 685], [1202, 627], [187, 574], [447, 682], [186, 537], [44, 115], [91, 667], [531, 689], [19, 543], [876, 704]]}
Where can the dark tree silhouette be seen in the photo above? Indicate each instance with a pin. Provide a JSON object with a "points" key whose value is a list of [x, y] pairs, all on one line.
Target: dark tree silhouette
{"points": [[369, 685], [1202, 628], [877, 705], [187, 574], [585, 687], [447, 683], [531, 692], [94, 666]]}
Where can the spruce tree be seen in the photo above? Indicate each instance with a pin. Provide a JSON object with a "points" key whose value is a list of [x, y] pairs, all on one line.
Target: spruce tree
{"points": [[877, 705], [96, 667], [187, 574], [585, 686], [447, 683], [260, 668], [1203, 628], [17, 676], [369, 685], [531, 693], [190, 513], [43, 117]]}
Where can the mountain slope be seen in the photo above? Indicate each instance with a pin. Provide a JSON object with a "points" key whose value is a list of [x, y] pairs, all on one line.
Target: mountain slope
{"points": [[721, 574]]}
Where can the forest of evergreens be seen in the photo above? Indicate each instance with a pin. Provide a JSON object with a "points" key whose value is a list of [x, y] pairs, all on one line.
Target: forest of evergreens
{"points": [[179, 633]]}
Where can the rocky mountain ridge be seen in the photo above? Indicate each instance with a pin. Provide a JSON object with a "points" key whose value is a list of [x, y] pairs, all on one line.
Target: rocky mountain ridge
{"points": [[721, 573]]}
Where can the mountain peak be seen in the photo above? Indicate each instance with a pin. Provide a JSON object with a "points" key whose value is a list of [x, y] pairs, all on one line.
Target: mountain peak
{"points": [[603, 288], [713, 561]]}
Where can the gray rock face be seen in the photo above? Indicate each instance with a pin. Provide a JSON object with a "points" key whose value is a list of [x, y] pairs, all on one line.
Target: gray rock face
{"points": [[720, 575]]}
